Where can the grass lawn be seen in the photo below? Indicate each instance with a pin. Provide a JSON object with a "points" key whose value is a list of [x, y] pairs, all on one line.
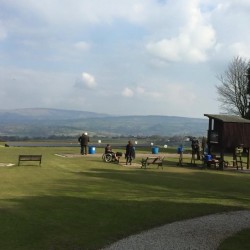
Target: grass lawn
{"points": [[84, 203]]}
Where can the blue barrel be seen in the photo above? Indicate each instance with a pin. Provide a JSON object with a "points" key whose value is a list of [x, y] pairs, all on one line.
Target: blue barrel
{"points": [[91, 150], [155, 150]]}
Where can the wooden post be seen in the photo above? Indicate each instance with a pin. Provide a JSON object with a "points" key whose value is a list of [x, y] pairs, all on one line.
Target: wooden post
{"points": [[248, 158], [208, 136], [222, 150], [221, 164]]}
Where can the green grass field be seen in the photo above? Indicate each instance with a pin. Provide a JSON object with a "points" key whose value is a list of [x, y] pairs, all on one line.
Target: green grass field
{"points": [[84, 203]]}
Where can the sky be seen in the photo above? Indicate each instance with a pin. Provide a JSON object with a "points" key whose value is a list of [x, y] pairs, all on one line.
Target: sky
{"points": [[126, 57]]}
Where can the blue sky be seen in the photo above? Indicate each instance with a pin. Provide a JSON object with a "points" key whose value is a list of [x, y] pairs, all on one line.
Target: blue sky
{"points": [[133, 57]]}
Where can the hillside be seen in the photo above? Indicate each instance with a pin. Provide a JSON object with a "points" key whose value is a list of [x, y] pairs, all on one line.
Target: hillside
{"points": [[46, 122]]}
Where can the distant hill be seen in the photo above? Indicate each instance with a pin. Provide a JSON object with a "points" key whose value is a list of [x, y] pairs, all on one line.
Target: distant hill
{"points": [[35, 114], [42, 122]]}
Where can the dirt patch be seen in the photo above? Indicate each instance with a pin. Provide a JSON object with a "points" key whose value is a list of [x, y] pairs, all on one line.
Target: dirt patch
{"points": [[139, 155], [66, 155], [6, 164], [123, 164]]}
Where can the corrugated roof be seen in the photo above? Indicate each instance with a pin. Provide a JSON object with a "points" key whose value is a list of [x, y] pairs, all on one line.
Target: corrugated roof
{"points": [[228, 118]]}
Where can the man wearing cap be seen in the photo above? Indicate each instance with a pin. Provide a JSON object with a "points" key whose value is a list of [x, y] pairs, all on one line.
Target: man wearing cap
{"points": [[84, 140]]}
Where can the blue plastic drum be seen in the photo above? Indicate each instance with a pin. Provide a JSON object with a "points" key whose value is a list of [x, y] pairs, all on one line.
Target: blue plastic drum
{"points": [[91, 150], [155, 150]]}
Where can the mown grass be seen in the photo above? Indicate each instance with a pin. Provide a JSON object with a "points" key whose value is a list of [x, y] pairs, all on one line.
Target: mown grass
{"points": [[84, 203], [239, 241]]}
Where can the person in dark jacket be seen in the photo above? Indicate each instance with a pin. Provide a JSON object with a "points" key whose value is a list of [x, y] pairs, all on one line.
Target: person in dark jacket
{"points": [[108, 149], [84, 140], [130, 153]]}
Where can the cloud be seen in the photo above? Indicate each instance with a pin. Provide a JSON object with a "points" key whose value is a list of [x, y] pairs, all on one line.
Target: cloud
{"points": [[44, 90], [82, 46], [140, 90], [172, 93], [157, 44], [147, 92], [177, 94], [127, 92], [3, 33], [82, 12], [88, 80], [196, 37], [241, 49]]}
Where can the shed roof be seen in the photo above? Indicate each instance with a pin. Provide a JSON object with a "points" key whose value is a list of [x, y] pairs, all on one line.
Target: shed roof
{"points": [[228, 118]]}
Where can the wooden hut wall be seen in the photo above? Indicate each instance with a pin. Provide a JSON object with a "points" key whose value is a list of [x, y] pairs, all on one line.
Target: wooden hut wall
{"points": [[218, 126], [235, 134]]}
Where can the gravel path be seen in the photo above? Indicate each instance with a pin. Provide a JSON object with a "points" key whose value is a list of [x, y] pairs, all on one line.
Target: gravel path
{"points": [[204, 233]]}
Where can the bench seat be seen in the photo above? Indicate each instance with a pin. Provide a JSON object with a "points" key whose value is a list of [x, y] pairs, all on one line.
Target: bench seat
{"points": [[30, 158]]}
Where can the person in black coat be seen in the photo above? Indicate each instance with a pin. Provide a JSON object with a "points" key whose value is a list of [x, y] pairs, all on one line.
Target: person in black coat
{"points": [[84, 140], [130, 152]]}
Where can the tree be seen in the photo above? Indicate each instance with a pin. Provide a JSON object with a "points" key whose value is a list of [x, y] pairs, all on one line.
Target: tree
{"points": [[248, 92], [248, 77], [233, 91]]}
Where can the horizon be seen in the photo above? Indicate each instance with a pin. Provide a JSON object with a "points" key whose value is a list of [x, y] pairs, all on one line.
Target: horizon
{"points": [[98, 113]]}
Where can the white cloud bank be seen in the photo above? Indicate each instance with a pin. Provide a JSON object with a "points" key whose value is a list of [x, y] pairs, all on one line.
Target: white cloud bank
{"points": [[193, 42]]}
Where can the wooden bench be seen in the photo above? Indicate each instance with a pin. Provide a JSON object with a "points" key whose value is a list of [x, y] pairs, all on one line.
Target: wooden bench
{"points": [[30, 158], [213, 163], [152, 160]]}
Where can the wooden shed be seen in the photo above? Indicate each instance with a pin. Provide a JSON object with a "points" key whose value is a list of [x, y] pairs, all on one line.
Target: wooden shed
{"points": [[226, 132]]}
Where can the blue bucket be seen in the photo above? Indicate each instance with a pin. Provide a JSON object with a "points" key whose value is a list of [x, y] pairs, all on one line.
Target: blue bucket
{"points": [[155, 150], [91, 150]]}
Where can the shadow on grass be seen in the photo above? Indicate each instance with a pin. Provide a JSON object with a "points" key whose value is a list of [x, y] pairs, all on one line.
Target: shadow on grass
{"points": [[186, 163], [80, 223], [175, 185], [92, 208], [238, 241]]}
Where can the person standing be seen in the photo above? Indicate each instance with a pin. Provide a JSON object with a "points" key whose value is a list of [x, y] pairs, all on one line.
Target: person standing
{"points": [[180, 150], [84, 140], [130, 153], [203, 144]]}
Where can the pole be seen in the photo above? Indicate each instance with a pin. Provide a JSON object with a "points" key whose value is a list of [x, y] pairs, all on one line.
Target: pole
{"points": [[248, 158]]}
